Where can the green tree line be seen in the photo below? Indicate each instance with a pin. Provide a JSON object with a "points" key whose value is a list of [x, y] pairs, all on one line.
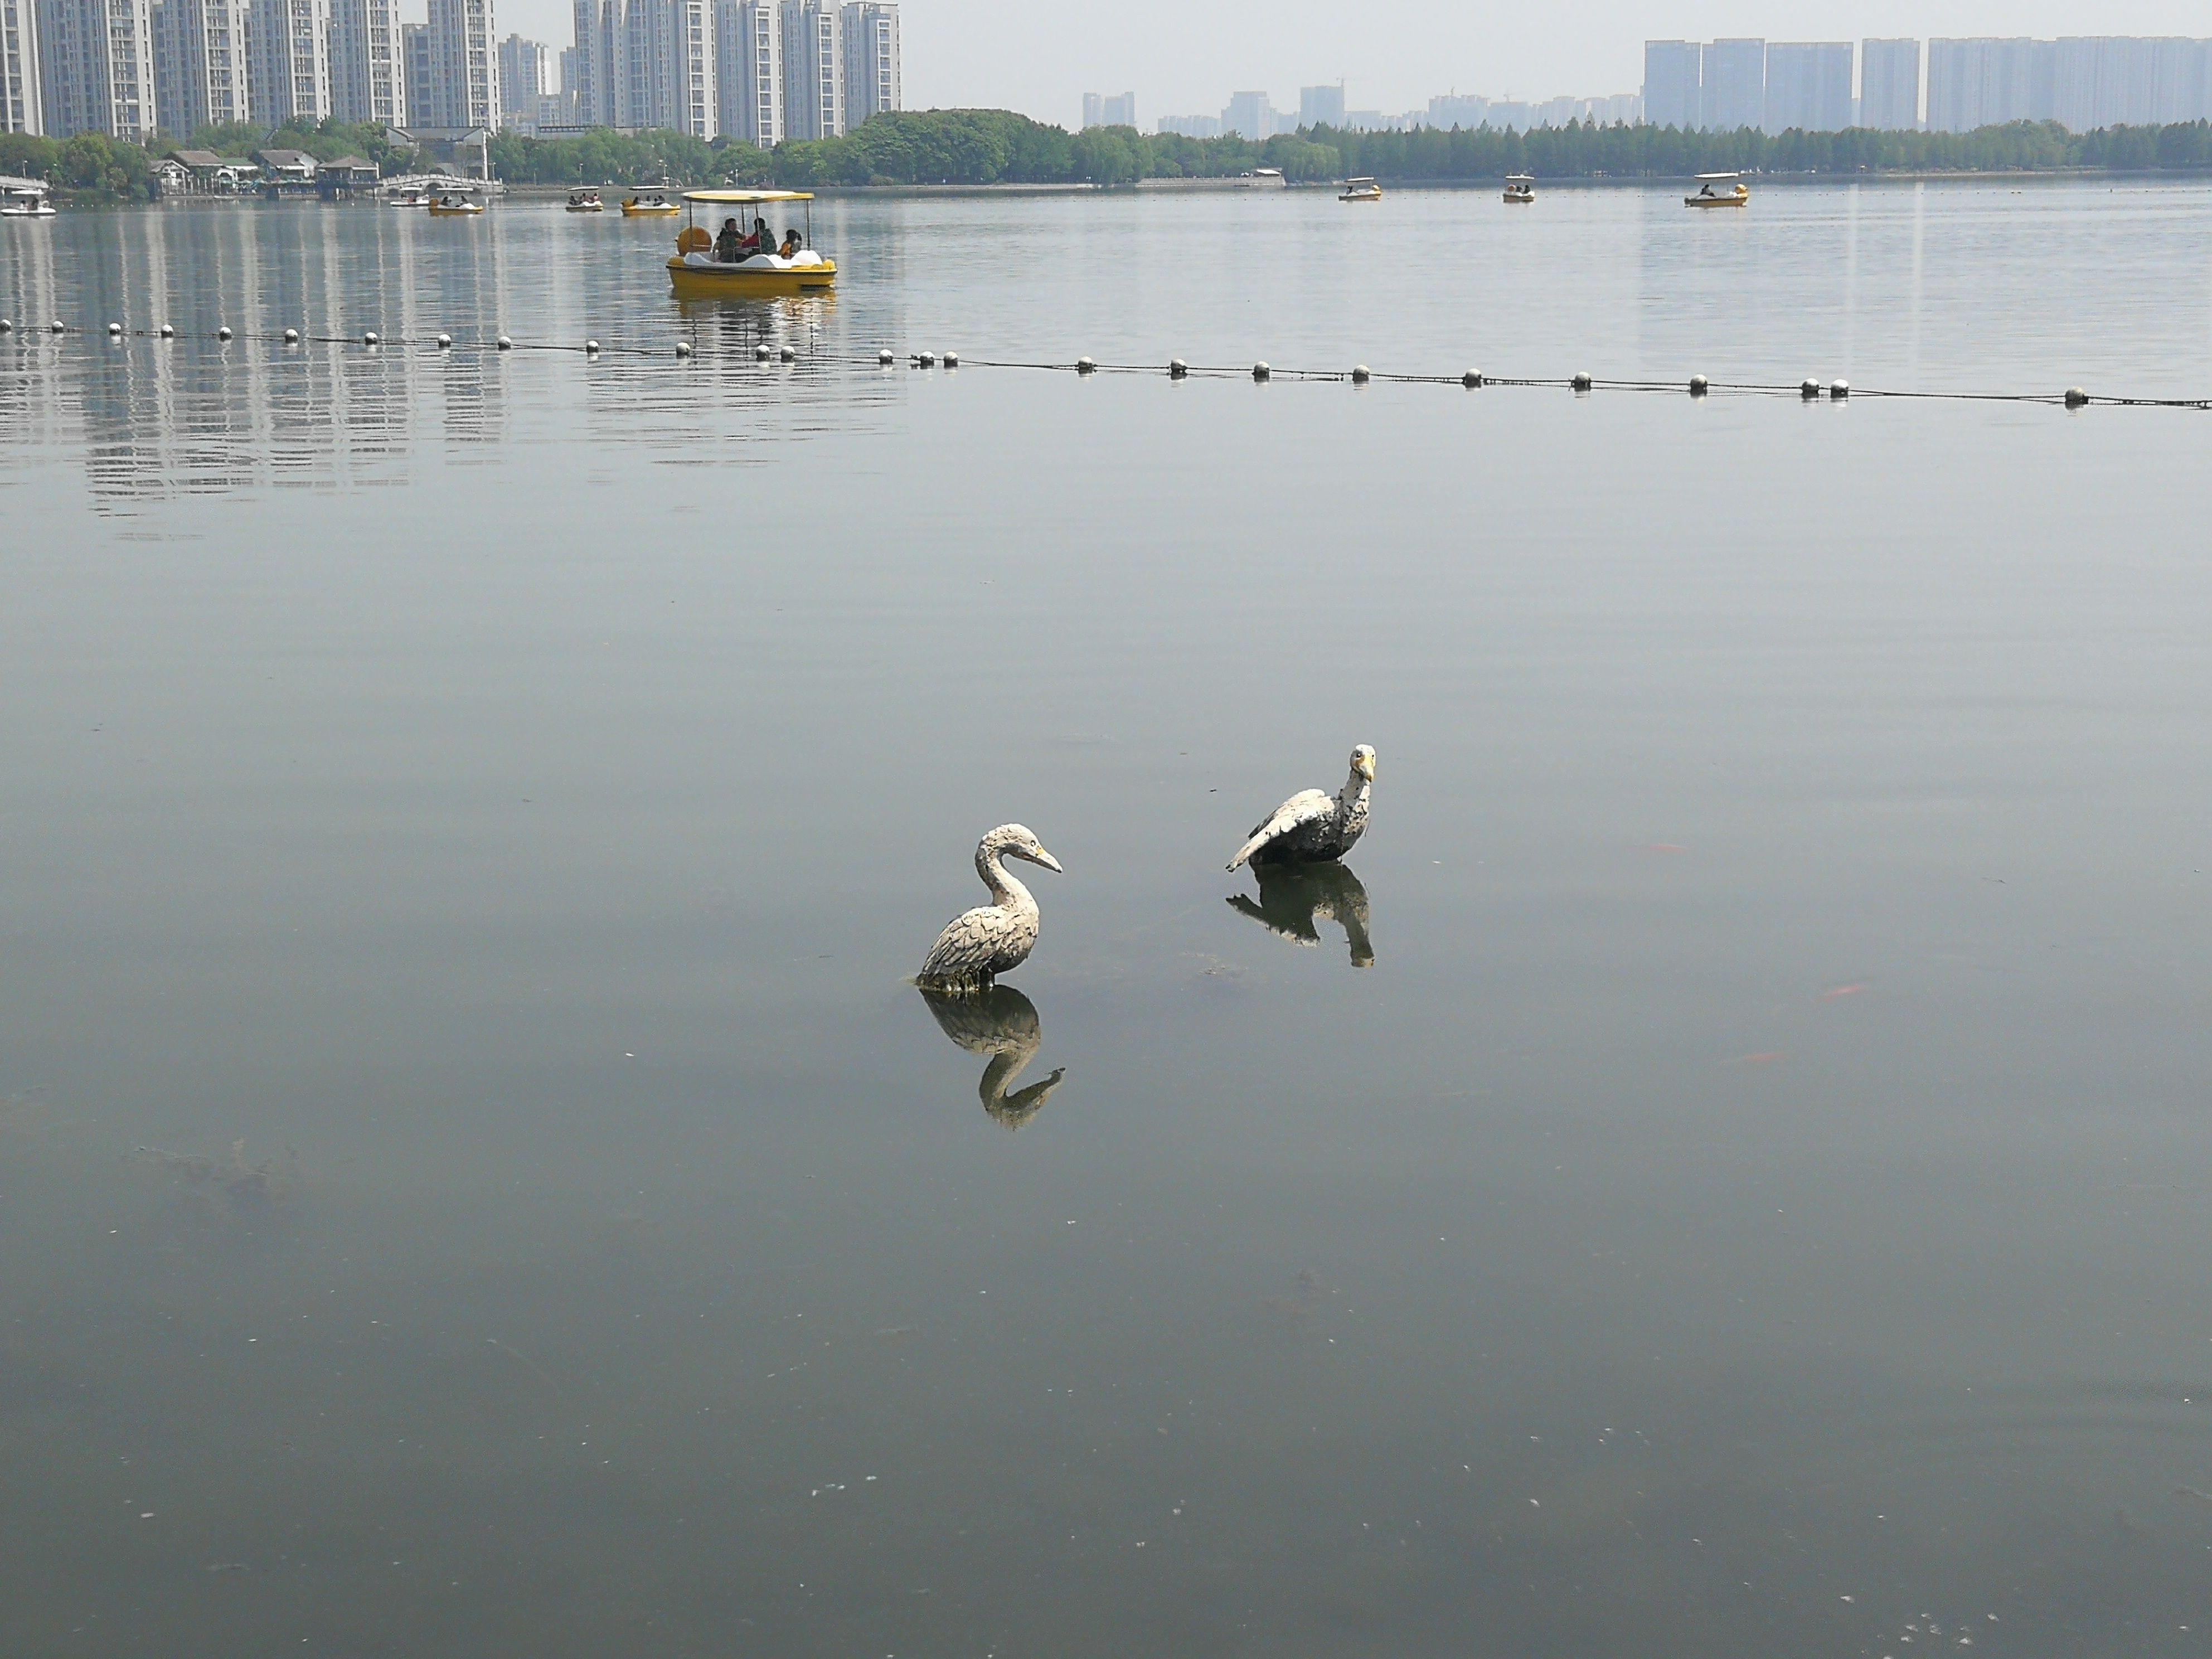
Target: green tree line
{"points": [[986, 147]]}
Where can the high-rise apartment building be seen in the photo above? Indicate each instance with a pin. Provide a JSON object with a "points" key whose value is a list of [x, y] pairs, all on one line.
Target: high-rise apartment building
{"points": [[415, 69], [681, 95], [871, 65], [289, 66], [1249, 115], [200, 75], [1889, 85], [1673, 83], [1734, 93], [749, 72], [368, 75], [21, 108], [813, 69], [1321, 106], [525, 66], [1986, 81], [2181, 81], [463, 67], [1109, 110], [1808, 86], [96, 68]]}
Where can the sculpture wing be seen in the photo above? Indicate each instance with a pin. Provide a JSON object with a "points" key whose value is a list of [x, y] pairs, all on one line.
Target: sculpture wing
{"points": [[1300, 810], [968, 945]]}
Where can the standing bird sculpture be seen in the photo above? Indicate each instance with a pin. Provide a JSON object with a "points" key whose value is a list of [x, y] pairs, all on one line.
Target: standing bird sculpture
{"points": [[993, 938], [1311, 825]]}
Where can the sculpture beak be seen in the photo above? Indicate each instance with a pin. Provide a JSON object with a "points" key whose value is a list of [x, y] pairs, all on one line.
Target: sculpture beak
{"points": [[1046, 859]]}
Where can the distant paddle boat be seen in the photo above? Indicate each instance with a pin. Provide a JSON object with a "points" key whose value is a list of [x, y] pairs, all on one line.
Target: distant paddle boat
{"points": [[649, 204], [1520, 189], [1361, 190], [696, 272], [586, 201], [454, 207], [1719, 190], [25, 198]]}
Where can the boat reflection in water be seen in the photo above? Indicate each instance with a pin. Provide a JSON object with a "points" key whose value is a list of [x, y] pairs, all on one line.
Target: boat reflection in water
{"points": [[1003, 1024], [1296, 898]]}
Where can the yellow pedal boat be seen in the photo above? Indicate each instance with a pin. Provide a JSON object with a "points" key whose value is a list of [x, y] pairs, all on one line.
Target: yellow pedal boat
{"points": [[454, 207], [696, 272], [649, 204], [1719, 190]]}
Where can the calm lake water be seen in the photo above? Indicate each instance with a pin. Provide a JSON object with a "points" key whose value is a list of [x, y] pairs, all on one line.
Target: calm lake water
{"points": [[476, 1178]]}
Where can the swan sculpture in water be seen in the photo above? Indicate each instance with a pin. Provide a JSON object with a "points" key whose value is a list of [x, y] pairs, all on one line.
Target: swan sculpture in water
{"points": [[1002, 1025], [1310, 825], [993, 938]]}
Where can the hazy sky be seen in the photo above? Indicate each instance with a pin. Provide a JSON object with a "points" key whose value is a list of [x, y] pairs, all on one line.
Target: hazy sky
{"points": [[1185, 57]]}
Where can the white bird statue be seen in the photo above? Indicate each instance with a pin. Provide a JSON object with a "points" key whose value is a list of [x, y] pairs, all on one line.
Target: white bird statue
{"points": [[1310, 825], [994, 937]]}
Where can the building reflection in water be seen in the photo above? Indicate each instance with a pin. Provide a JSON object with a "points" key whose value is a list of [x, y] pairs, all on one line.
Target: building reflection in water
{"points": [[1295, 899], [1000, 1023]]}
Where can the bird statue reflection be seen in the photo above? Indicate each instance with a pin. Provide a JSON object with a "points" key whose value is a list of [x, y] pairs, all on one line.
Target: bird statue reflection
{"points": [[991, 937], [1002, 1023], [1296, 898], [1311, 825]]}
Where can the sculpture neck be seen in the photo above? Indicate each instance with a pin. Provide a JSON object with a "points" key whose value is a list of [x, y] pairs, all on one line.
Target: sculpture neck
{"points": [[1006, 891], [1352, 799]]}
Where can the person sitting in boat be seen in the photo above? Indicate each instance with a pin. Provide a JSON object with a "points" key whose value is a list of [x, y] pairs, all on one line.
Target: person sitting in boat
{"points": [[791, 244], [763, 239], [729, 247]]}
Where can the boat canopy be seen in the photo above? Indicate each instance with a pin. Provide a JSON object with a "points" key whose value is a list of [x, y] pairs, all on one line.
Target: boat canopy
{"points": [[1718, 178], [747, 198], [1520, 178]]}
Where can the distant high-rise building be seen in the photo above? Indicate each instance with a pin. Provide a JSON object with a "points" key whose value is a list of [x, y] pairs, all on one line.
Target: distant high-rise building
{"points": [[813, 69], [2180, 90], [96, 68], [1733, 90], [200, 76], [368, 78], [1987, 82], [1808, 86], [1191, 126], [871, 65], [682, 78], [525, 66], [415, 62], [1249, 115], [1459, 109], [463, 67], [1889, 85], [21, 109], [289, 60], [1109, 110], [1321, 106], [1672, 82], [749, 72]]}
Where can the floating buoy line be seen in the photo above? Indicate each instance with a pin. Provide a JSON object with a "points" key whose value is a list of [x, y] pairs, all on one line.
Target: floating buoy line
{"points": [[1698, 386]]}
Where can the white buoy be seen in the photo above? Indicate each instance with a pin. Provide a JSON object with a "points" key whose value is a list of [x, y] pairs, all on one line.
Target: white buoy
{"points": [[506, 345], [1359, 375], [114, 329], [1085, 366], [1260, 371], [60, 326], [1809, 390], [926, 359], [291, 337], [1582, 382], [952, 360], [2076, 396], [762, 353], [1840, 391], [223, 333], [786, 355], [1698, 386], [369, 338], [168, 331], [1471, 378], [886, 358], [1177, 368], [445, 343], [591, 348], [684, 348], [7, 324]]}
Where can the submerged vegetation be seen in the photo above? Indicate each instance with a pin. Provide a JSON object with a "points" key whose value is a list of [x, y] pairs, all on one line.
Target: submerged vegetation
{"points": [[999, 147]]}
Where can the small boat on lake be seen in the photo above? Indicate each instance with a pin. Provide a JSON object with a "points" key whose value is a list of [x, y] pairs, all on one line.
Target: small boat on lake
{"points": [[25, 198], [586, 201], [702, 270], [411, 198], [1519, 188], [1361, 190], [649, 204], [1719, 190], [454, 207]]}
